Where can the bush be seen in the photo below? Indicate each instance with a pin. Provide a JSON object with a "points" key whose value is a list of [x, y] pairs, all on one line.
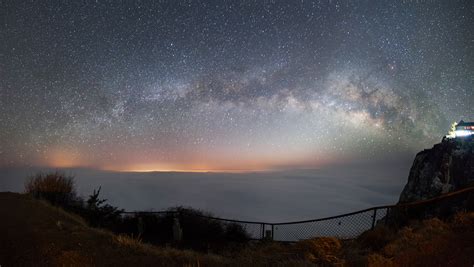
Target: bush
{"points": [[58, 189], [199, 228], [199, 231], [55, 187], [377, 238], [152, 228], [100, 214]]}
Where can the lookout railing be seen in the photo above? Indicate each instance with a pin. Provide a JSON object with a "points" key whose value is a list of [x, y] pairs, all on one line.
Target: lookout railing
{"points": [[344, 226]]}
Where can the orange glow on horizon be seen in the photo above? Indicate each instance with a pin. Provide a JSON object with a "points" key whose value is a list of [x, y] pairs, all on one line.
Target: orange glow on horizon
{"points": [[216, 162], [189, 170], [236, 166], [63, 158], [181, 168]]}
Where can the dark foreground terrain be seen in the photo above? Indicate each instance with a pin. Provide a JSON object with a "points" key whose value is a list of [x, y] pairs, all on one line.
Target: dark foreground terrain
{"points": [[34, 233]]}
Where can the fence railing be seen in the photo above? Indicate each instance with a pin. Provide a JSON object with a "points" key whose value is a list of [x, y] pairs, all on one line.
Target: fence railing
{"points": [[344, 226]]}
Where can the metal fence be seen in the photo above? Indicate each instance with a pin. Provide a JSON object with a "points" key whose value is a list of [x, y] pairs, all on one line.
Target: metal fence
{"points": [[342, 226], [348, 225]]}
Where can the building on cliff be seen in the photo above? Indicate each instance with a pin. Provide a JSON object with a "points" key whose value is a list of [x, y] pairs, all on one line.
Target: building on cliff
{"points": [[464, 129]]}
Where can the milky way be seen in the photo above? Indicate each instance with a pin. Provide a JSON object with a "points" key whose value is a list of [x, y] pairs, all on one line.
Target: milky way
{"points": [[230, 85]]}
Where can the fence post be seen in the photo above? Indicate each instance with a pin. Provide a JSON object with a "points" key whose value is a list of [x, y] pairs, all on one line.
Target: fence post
{"points": [[140, 226], [177, 230], [273, 231], [263, 231], [268, 235], [373, 218]]}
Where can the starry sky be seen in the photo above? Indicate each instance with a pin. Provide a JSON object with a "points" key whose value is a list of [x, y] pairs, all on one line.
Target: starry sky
{"points": [[230, 85]]}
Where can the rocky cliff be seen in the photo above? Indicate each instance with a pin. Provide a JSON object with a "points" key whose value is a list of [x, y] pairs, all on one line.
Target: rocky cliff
{"points": [[446, 167]]}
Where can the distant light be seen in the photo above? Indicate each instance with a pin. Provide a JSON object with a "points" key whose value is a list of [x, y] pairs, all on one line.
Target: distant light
{"points": [[462, 133]]}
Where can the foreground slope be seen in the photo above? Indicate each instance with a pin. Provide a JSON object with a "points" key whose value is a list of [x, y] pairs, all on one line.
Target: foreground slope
{"points": [[34, 233], [431, 242]]}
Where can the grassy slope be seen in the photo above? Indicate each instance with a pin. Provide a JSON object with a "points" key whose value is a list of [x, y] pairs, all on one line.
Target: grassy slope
{"points": [[34, 233], [427, 243], [430, 242]]}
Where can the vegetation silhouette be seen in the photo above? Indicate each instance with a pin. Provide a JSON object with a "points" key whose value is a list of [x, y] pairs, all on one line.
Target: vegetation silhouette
{"points": [[55, 187], [199, 230], [423, 234]]}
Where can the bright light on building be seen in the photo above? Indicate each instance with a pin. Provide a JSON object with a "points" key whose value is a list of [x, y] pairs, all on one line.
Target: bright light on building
{"points": [[463, 133], [462, 129]]}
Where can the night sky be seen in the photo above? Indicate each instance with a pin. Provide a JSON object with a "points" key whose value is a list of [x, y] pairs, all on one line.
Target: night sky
{"points": [[230, 85]]}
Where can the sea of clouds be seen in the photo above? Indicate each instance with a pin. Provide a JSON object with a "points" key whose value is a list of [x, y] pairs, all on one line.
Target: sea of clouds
{"points": [[277, 196]]}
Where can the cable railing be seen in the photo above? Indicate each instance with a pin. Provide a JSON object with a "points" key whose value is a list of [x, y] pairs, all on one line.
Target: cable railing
{"points": [[344, 226]]}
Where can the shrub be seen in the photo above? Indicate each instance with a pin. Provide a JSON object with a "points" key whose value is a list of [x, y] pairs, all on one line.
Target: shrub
{"points": [[199, 230], [236, 232], [377, 238], [152, 228], [100, 214], [58, 189], [55, 187]]}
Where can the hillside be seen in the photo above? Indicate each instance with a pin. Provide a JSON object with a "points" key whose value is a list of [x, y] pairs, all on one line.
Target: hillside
{"points": [[34, 233], [37, 234], [430, 242]]}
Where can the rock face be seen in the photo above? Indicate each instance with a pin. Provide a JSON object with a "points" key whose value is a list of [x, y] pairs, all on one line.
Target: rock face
{"points": [[446, 167]]}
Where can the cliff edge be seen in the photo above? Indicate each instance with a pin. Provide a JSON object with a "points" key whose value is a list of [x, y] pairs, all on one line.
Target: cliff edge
{"points": [[446, 167]]}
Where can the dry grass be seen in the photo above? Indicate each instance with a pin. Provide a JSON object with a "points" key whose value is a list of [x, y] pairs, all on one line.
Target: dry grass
{"points": [[129, 241], [423, 234], [427, 243], [264, 254], [376, 238], [462, 220], [54, 182], [37, 233], [322, 251]]}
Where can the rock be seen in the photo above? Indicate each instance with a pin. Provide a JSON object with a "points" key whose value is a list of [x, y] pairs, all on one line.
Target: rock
{"points": [[448, 166]]}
